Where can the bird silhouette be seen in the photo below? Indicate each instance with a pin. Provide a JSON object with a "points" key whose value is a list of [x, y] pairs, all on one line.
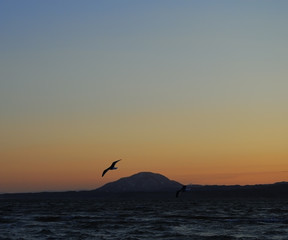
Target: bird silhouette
{"points": [[112, 167], [183, 189]]}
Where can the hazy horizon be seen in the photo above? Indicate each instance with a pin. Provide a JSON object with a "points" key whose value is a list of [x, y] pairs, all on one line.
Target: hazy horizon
{"points": [[194, 90], [68, 190]]}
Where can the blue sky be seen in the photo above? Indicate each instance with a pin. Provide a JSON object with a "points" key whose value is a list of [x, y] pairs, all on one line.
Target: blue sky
{"points": [[148, 75]]}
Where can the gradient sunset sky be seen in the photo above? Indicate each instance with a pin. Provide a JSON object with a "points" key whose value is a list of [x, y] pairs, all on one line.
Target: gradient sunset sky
{"points": [[194, 90]]}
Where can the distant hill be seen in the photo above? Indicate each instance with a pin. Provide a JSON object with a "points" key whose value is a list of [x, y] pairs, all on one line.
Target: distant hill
{"points": [[277, 190], [141, 182], [148, 185]]}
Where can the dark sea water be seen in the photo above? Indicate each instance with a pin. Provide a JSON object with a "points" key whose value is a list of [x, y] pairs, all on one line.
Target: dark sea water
{"points": [[144, 219]]}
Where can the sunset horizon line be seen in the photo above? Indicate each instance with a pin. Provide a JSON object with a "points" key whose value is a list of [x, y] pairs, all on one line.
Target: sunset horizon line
{"points": [[171, 179]]}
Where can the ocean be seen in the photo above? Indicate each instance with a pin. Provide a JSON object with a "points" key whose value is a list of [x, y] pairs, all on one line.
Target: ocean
{"points": [[143, 219]]}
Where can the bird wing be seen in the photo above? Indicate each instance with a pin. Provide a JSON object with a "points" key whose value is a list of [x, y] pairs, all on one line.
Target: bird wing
{"points": [[113, 164], [105, 171]]}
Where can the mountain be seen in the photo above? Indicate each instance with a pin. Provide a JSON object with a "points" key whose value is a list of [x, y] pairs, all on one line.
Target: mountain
{"points": [[148, 185], [141, 182]]}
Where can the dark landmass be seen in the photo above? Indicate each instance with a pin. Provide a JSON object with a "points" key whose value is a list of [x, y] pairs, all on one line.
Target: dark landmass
{"points": [[142, 182], [147, 185]]}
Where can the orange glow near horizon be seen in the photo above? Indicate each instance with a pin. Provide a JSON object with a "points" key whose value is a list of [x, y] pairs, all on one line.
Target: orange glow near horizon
{"points": [[62, 157], [77, 167]]}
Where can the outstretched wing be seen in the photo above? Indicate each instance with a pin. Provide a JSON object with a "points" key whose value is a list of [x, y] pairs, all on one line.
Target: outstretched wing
{"points": [[105, 171], [113, 164]]}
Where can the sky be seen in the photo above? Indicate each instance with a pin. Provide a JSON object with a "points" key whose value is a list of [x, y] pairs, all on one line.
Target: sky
{"points": [[193, 90]]}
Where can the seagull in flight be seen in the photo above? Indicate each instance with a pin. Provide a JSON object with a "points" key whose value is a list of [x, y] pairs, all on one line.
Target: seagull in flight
{"points": [[112, 167], [183, 189]]}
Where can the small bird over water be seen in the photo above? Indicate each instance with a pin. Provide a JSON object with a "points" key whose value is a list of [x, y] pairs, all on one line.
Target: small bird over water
{"points": [[112, 167], [183, 189]]}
